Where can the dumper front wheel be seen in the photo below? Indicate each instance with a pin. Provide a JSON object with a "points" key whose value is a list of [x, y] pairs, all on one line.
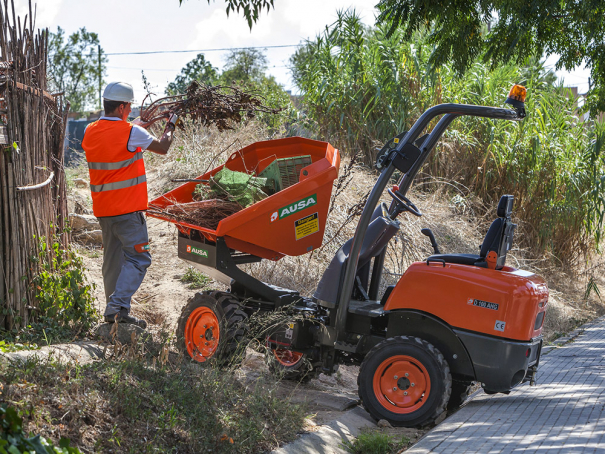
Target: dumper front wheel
{"points": [[406, 381], [212, 326]]}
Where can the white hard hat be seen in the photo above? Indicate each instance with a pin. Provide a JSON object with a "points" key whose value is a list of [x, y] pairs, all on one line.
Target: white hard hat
{"points": [[119, 91]]}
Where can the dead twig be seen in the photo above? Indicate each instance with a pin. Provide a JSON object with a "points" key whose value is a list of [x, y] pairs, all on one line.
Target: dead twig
{"points": [[221, 106], [204, 213]]}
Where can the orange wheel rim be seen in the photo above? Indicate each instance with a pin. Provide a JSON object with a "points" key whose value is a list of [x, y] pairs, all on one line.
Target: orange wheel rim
{"points": [[401, 384], [202, 334], [287, 357]]}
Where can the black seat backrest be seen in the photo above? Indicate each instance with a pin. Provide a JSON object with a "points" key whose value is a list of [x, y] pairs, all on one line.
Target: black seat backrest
{"points": [[499, 237]]}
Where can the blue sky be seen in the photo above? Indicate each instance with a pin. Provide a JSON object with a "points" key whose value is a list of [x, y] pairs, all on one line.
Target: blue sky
{"points": [[161, 25]]}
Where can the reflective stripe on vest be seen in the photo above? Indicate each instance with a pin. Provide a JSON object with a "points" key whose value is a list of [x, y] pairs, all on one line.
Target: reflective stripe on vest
{"points": [[117, 184], [114, 165], [117, 176]]}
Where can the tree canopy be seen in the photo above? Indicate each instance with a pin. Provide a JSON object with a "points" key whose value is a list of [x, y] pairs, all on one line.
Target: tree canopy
{"points": [[198, 69], [498, 31], [250, 8], [502, 31], [245, 65], [76, 67]]}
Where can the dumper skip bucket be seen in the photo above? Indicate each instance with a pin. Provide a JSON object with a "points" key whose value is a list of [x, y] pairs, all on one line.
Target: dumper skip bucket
{"points": [[289, 222]]}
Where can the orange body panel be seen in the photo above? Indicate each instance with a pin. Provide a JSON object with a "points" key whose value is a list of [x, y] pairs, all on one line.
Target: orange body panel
{"points": [[260, 229], [503, 303]]}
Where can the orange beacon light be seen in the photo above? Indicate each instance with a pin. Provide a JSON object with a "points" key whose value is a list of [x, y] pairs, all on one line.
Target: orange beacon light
{"points": [[516, 96]]}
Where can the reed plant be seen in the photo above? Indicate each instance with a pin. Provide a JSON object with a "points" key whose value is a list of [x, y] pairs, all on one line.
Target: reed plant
{"points": [[551, 162], [362, 87]]}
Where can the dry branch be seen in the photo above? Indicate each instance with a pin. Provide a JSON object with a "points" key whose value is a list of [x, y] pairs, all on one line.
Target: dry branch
{"points": [[205, 213], [221, 106], [37, 186]]}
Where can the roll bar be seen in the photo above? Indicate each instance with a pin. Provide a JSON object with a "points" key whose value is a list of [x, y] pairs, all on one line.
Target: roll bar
{"points": [[450, 112]]}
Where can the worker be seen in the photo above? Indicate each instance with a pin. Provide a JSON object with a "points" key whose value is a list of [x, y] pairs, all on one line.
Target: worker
{"points": [[118, 185]]}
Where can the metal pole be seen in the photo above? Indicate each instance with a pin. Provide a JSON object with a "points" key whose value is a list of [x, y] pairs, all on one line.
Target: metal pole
{"points": [[100, 75]]}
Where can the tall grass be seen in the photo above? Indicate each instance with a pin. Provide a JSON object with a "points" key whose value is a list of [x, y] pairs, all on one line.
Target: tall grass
{"points": [[362, 88], [551, 162]]}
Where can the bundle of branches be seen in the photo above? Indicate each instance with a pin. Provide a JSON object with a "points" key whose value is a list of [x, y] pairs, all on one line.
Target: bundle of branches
{"points": [[219, 105], [205, 213]]}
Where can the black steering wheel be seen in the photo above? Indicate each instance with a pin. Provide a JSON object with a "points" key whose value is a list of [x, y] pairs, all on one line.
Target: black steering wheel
{"points": [[405, 204]]}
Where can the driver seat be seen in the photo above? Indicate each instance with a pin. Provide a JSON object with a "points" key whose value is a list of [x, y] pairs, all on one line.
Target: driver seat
{"points": [[497, 241]]}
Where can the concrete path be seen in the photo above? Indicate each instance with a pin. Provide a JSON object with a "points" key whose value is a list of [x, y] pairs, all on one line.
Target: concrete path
{"points": [[565, 413], [329, 438]]}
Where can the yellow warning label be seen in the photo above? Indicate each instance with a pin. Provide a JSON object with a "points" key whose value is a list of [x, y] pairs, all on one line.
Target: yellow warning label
{"points": [[306, 226]]}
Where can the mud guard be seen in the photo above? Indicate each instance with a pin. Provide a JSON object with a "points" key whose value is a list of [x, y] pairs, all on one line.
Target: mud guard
{"points": [[438, 333]]}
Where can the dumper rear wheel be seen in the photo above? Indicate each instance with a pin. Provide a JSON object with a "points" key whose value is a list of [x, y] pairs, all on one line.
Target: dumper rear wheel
{"points": [[212, 326], [406, 381], [290, 365]]}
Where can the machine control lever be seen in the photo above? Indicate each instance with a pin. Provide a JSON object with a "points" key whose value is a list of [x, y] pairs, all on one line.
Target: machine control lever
{"points": [[429, 233]]}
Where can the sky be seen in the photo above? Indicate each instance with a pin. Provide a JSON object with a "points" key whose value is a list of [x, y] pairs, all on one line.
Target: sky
{"points": [[128, 26], [163, 25]]}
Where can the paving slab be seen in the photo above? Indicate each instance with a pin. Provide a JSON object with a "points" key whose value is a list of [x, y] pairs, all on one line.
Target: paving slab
{"points": [[328, 438], [81, 352], [564, 413]]}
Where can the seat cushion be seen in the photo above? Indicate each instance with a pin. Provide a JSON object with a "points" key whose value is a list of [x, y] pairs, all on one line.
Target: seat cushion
{"points": [[460, 259]]}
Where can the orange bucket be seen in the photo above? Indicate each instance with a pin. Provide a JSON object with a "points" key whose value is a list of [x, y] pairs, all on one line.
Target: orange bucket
{"points": [[289, 222]]}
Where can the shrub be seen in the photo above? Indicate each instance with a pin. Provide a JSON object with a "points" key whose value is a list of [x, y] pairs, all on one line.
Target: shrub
{"points": [[64, 299], [14, 441]]}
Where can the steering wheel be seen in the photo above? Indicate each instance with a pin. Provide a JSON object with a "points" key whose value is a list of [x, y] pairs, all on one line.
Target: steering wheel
{"points": [[405, 204]]}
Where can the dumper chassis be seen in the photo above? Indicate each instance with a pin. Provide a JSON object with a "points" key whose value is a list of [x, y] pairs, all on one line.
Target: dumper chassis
{"points": [[450, 321]]}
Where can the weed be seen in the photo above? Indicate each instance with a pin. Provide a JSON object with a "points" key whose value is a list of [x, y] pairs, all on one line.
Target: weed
{"points": [[132, 406], [376, 443], [195, 279], [65, 301], [8, 347], [14, 440], [89, 252]]}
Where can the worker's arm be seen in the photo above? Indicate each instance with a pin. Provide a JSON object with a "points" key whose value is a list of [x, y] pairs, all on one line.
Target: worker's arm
{"points": [[161, 146]]}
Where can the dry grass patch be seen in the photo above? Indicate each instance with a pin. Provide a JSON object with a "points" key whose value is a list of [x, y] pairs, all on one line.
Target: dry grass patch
{"points": [[130, 406]]}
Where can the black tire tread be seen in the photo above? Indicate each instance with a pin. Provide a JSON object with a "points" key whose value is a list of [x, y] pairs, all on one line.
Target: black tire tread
{"points": [[231, 317], [443, 366]]}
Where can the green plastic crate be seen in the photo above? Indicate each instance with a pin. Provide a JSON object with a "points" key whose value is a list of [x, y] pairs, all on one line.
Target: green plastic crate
{"points": [[283, 173]]}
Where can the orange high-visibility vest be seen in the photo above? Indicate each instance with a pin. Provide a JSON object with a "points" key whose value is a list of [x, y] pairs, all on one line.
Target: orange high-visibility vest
{"points": [[117, 176]]}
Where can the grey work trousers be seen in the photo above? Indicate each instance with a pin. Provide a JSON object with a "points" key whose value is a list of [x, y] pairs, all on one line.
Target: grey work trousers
{"points": [[126, 258]]}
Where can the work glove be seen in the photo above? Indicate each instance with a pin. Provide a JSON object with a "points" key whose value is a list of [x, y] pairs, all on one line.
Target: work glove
{"points": [[171, 123]]}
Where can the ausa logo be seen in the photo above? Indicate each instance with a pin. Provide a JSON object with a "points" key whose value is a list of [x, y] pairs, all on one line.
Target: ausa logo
{"points": [[294, 208], [197, 251]]}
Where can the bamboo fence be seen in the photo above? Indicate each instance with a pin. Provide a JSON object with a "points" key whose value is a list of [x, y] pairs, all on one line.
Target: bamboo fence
{"points": [[33, 201]]}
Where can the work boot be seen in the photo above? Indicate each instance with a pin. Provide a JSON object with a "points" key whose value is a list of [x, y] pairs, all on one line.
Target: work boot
{"points": [[124, 317]]}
